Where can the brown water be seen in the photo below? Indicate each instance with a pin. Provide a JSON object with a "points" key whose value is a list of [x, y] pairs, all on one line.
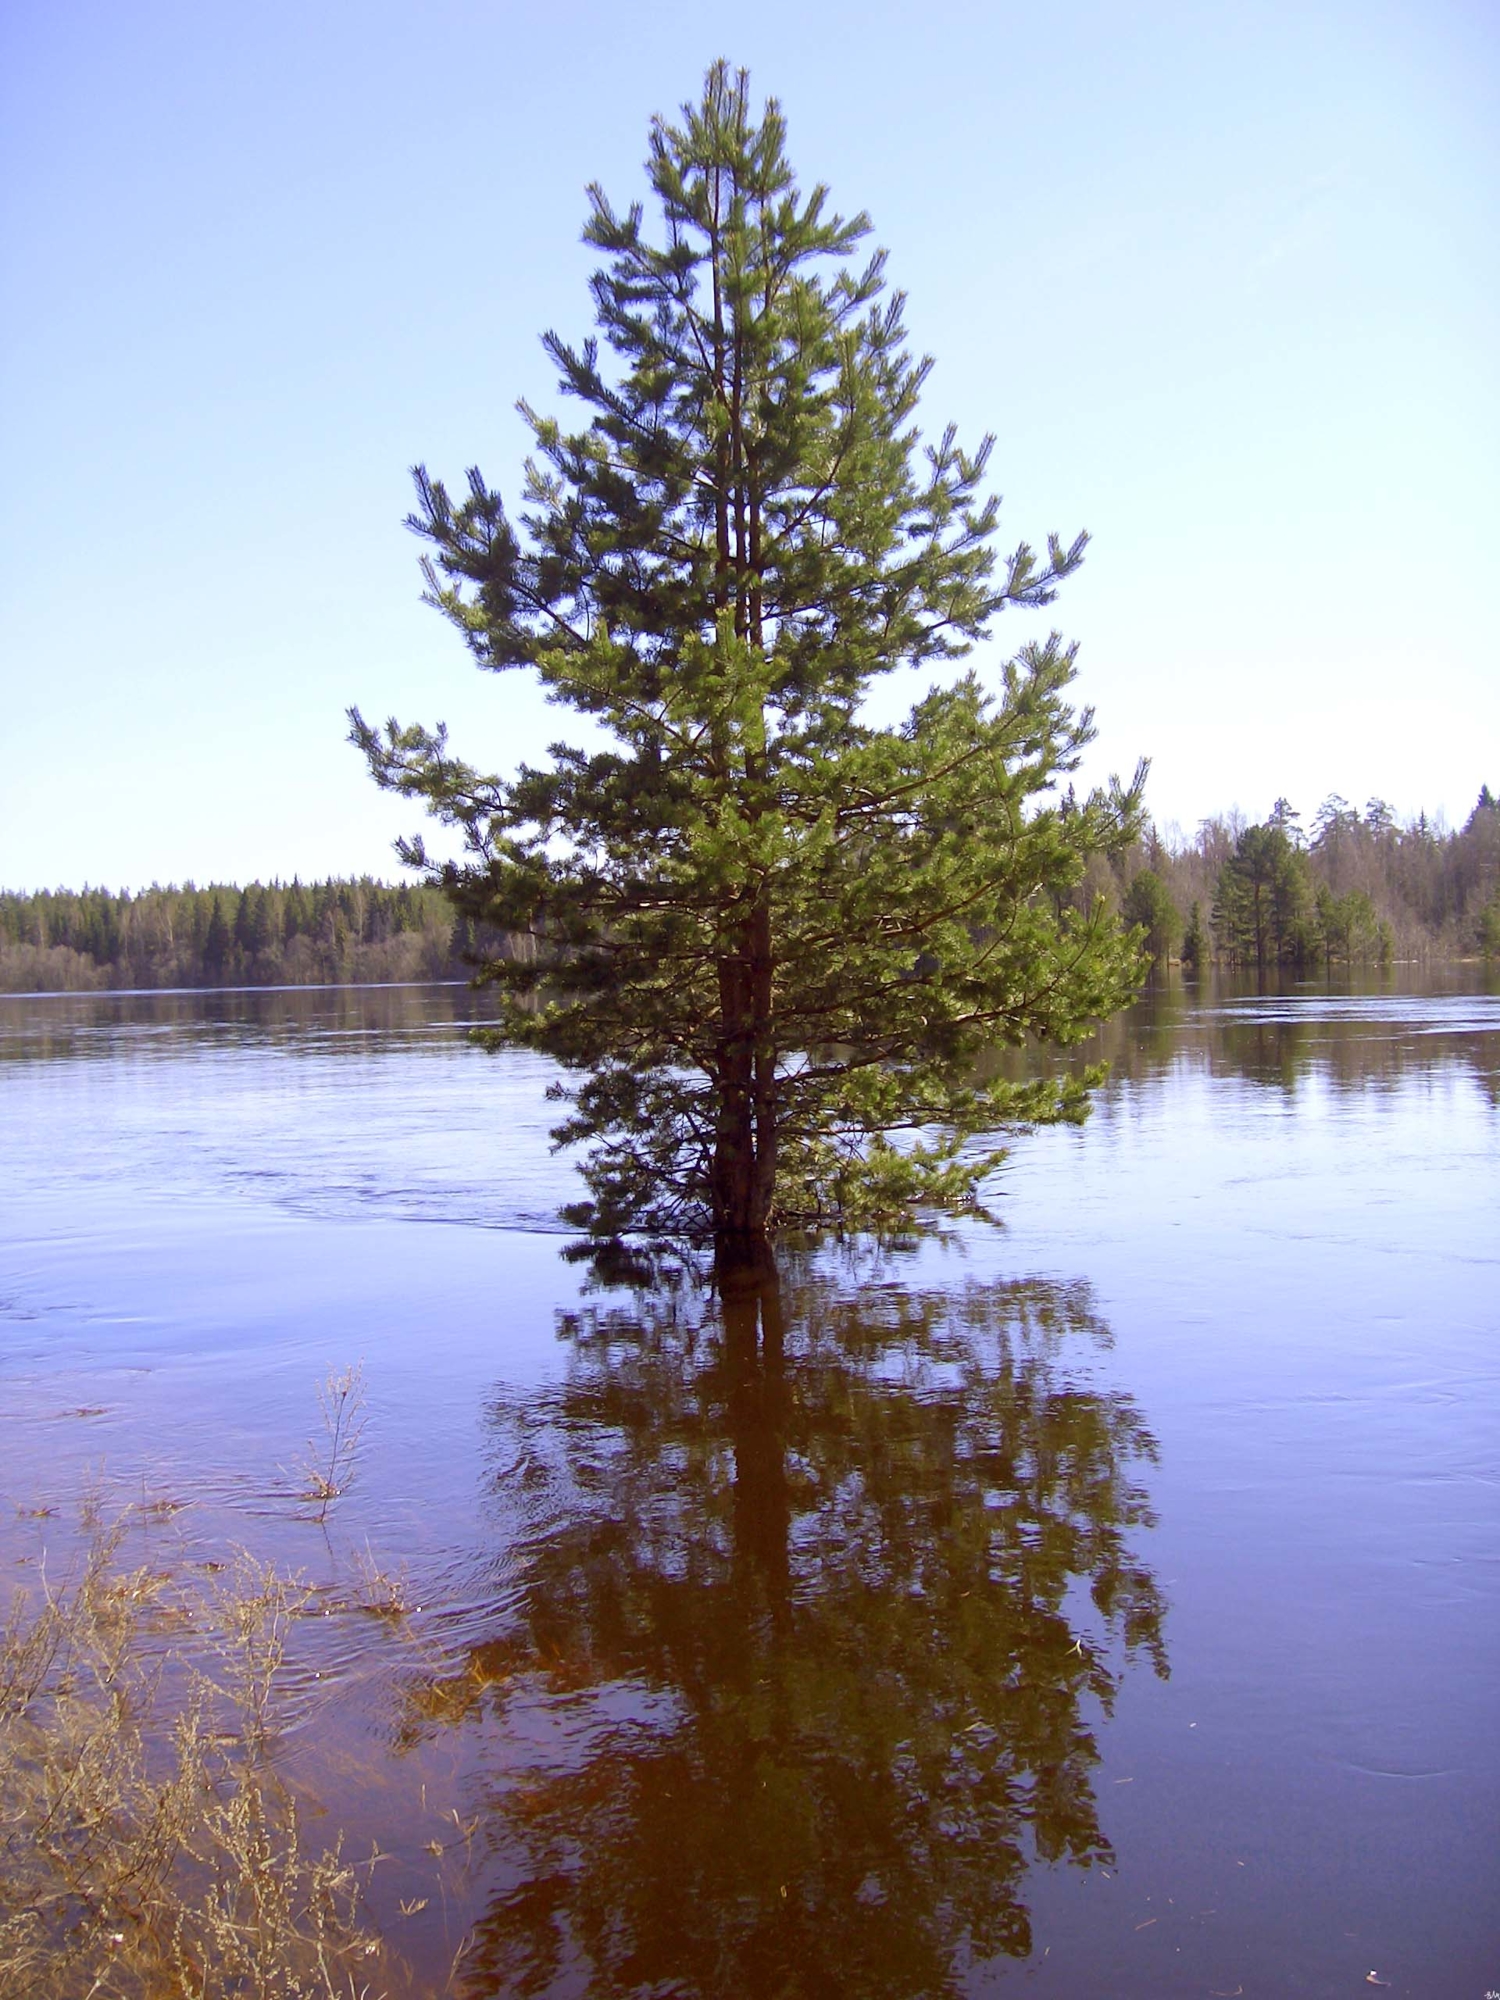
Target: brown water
{"points": [[1106, 1604]]}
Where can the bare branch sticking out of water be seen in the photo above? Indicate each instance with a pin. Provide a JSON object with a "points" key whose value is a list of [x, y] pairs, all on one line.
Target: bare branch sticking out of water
{"points": [[327, 1470]]}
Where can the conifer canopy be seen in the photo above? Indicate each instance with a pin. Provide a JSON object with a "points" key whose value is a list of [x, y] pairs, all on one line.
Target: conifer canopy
{"points": [[775, 941]]}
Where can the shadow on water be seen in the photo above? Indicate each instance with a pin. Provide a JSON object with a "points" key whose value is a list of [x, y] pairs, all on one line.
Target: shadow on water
{"points": [[822, 1593]]}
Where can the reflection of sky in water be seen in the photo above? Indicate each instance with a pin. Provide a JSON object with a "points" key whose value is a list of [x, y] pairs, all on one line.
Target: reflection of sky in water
{"points": [[1284, 1210], [395, 1111], [1440, 1014], [343, 1102]]}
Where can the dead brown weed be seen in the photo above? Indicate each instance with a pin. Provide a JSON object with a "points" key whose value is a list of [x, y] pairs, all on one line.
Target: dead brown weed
{"points": [[148, 1846]]}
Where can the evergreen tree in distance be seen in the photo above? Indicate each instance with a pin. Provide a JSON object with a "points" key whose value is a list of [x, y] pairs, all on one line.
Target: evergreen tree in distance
{"points": [[1148, 905], [1195, 945], [772, 935]]}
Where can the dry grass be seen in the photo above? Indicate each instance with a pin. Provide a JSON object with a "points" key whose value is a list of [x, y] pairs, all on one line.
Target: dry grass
{"points": [[376, 1591], [147, 1845]]}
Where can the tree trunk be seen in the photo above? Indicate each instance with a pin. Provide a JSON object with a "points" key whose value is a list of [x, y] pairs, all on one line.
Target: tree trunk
{"points": [[743, 1173]]}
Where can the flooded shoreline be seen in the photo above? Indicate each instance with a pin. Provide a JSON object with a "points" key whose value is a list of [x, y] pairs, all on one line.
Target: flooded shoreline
{"points": [[1106, 1601]]}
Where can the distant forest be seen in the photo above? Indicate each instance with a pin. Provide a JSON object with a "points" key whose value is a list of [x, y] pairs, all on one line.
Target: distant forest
{"points": [[1352, 889], [266, 934]]}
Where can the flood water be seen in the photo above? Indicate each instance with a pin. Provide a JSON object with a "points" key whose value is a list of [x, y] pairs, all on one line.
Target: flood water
{"points": [[1104, 1603]]}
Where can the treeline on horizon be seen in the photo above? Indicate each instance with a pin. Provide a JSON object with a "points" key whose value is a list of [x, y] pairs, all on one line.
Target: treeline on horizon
{"points": [[1352, 889], [338, 932]]}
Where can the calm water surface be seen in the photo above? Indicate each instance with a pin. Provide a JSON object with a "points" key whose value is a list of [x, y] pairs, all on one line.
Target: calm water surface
{"points": [[1103, 1604]]}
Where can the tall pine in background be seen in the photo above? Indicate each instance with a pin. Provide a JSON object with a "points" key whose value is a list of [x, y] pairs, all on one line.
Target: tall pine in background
{"points": [[771, 935]]}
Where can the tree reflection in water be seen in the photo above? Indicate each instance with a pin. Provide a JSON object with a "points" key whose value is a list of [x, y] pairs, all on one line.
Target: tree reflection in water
{"points": [[823, 1592]]}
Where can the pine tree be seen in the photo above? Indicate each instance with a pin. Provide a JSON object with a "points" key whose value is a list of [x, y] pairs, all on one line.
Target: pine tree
{"points": [[1262, 900], [298, 910], [216, 943], [1195, 946], [1149, 905], [770, 934]]}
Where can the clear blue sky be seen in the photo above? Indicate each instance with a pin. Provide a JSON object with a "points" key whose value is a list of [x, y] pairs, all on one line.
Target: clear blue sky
{"points": [[1223, 281]]}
